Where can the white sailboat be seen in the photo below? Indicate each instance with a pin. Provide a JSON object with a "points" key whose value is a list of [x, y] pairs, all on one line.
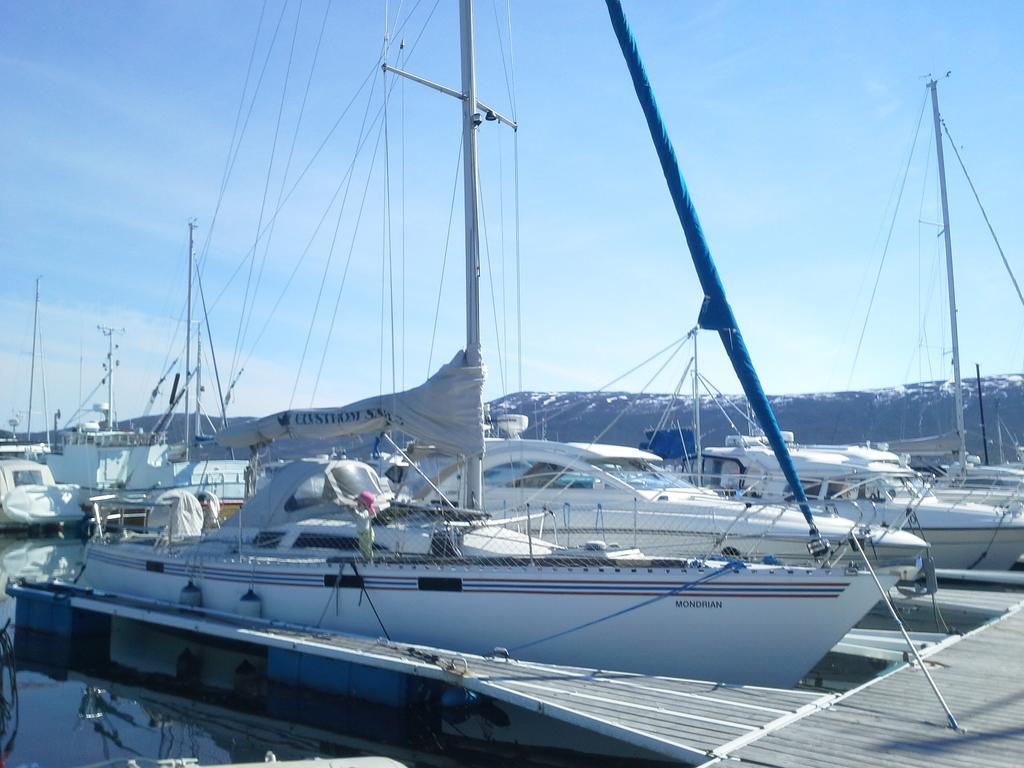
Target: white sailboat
{"points": [[304, 553], [965, 480]]}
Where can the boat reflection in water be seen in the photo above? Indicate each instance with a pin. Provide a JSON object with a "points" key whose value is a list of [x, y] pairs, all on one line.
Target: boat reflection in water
{"points": [[164, 694], [36, 560]]}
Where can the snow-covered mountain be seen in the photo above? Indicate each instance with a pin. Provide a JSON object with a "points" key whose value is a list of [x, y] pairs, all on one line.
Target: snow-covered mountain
{"points": [[913, 410]]}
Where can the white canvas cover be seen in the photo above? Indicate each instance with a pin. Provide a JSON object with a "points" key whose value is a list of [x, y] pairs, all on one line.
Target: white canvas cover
{"points": [[182, 511], [446, 410], [41, 504], [305, 487]]}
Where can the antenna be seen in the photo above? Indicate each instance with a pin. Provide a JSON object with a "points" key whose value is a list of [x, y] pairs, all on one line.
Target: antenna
{"points": [[109, 367]]}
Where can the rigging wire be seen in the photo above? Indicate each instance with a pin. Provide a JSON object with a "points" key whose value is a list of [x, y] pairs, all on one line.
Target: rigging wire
{"points": [[247, 315], [988, 223], [716, 394], [341, 287], [922, 335], [294, 141], [519, 273], [444, 258], [675, 396], [229, 161], [387, 250], [674, 345], [401, 65], [924, 309], [297, 265], [494, 303], [213, 354], [170, 282], [334, 238], [885, 249], [650, 381], [501, 241], [678, 345], [501, 198], [370, 78], [42, 382], [344, 275], [864, 274], [515, 166]]}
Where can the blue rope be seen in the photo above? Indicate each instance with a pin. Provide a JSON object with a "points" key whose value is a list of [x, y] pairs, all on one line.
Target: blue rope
{"points": [[730, 566]]}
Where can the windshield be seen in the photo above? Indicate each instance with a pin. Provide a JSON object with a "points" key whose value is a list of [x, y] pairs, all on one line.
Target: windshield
{"points": [[28, 477], [639, 474]]}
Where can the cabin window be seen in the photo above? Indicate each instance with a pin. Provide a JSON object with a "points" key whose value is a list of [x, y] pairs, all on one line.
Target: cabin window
{"points": [[326, 541], [722, 473], [638, 473], [505, 475], [837, 490], [27, 477], [812, 488], [872, 492], [308, 494], [545, 475], [268, 539]]}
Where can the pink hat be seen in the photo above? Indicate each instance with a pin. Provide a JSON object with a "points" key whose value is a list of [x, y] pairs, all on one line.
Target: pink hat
{"points": [[367, 501]]}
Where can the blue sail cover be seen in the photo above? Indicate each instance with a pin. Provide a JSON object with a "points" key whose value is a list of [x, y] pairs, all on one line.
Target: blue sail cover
{"points": [[715, 314], [670, 444]]}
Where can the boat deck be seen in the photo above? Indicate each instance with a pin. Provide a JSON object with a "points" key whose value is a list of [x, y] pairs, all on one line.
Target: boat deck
{"points": [[892, 720]]}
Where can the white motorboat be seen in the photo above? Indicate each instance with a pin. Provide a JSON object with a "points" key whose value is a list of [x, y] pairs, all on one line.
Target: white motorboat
{"points": [[874, 487], [459, 580], [29, 496], [1000, 485], [621, 495]]}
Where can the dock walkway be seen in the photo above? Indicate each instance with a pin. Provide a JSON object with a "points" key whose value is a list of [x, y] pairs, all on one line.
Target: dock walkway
{"points": [[895, 720]]}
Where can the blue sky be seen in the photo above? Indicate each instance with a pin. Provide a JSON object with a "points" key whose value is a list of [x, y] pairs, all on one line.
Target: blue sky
{"points": [[793, 123]]}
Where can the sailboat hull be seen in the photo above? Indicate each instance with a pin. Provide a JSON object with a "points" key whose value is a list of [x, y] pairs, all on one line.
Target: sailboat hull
{"points": [[744, 625]]}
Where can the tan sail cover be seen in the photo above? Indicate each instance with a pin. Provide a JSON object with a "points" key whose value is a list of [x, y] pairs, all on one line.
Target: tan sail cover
{"points": [[936, 445], [446, 411]]}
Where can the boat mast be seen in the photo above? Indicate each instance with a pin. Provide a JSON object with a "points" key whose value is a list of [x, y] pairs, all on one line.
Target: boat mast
{"points": [[188, 335], [958, 394], [981, 410], [32, 367], [199, 386], [471, 120]]}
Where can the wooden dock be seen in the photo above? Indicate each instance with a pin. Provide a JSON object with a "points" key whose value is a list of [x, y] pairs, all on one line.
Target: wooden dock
{"points": [[895, 720], [892, 720]]}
